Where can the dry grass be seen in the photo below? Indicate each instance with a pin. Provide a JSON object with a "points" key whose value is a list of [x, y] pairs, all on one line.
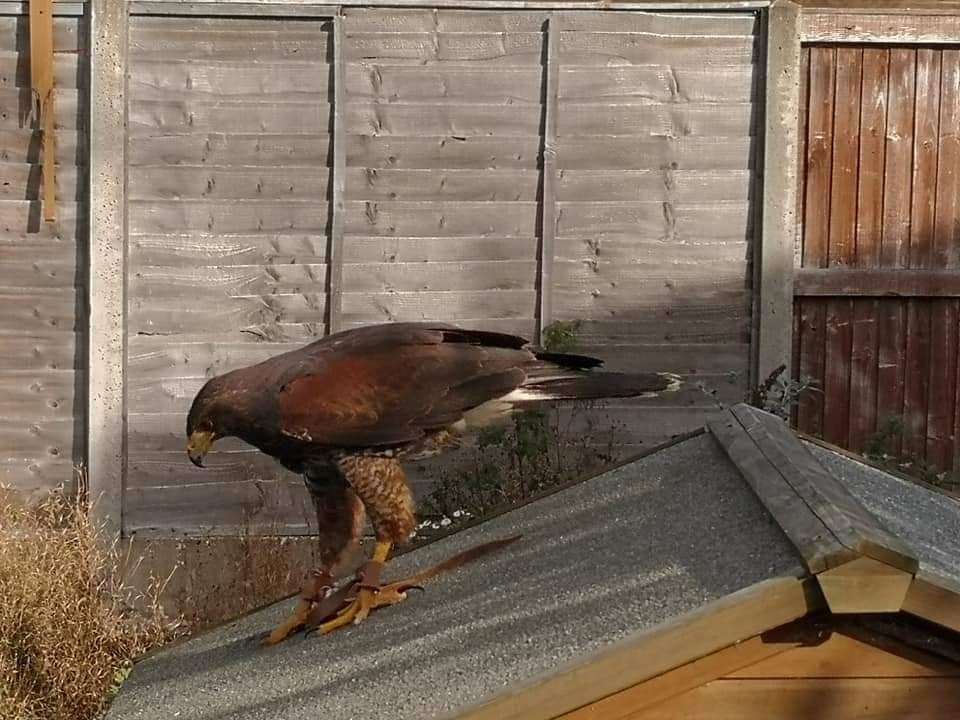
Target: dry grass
{"points": [[68, 630]]}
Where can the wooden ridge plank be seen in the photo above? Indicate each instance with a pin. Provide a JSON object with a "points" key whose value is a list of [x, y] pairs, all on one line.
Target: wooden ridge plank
{"points": [[815, 541], [849, 521]]}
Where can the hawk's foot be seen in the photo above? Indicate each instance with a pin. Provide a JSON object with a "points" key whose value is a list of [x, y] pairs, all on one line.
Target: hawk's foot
{"points": [[315, 590]]}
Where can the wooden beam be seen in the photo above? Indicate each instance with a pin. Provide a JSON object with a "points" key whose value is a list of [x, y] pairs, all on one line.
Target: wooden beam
{"points": [[335, 250], [864, 585], [849, 521], [876, 27], [817, 545], [934, 600], [548, 205], [774, 344], [851, 282], [653, 652], [41, 80], [60, 9], [106, 407]]}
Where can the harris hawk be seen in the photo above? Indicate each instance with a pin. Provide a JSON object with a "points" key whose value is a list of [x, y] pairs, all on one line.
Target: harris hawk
{"points": [[345, 411]]}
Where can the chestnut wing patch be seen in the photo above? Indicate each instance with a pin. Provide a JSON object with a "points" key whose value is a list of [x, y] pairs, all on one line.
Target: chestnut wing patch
{"points": [[389, 398]]}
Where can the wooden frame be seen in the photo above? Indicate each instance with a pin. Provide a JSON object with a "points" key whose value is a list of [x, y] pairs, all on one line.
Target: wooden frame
{"points": [[774, 256], [903, 27], [106, 406], [653, 652]]}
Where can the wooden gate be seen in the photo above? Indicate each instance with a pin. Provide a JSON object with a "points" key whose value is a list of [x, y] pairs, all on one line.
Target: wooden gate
{"points": [[876, 310]]}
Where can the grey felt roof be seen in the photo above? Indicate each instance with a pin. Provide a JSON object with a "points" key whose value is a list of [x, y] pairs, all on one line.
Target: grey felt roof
{"points": [[928, 521], [619, 553]]}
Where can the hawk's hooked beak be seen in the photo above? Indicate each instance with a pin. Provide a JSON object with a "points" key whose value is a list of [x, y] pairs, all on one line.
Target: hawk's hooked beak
{"points": [[198, 445]]}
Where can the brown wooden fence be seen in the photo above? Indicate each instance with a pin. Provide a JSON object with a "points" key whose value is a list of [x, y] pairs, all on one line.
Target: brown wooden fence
{"points": [[876, 309]]}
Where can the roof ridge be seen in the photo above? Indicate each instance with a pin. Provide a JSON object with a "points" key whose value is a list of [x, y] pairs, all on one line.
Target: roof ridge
{"points": [[825, 522]]}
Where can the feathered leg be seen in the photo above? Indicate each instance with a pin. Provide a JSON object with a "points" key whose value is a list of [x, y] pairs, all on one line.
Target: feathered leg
{"points": [[339, 522], [382, 487]]}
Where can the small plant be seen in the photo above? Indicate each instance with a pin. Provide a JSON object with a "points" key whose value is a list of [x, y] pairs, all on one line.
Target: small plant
{"points": [[779, 394], [561, 336], [69, 627], [882, 446]]}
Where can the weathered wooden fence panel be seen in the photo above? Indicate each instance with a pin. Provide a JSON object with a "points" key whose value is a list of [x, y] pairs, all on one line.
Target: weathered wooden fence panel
{"points": [[245, 234], [42, 349], [657, 151], [229, 190], [882, 156]]}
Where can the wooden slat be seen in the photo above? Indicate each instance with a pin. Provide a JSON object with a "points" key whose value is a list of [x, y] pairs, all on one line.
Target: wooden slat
{"points": [[22, 182], [849, 652], [548, 219], [627, 703], [933, 600], [819, 165], [39, 394], [41, 82], [16, 105], [629, 153], [841, 249], [898, 175], [176, 80], [15, 73], [817, 173], [499, 49], [922, 223], [733, 221], [338, 182], [658, 82], [863, 373], [872, 141], [791, 699], [946, 234], [451, 306], [650, 653], [942, 383], [627, 48], [37, 349], [891, 355], [866, 27], [68, 35]]}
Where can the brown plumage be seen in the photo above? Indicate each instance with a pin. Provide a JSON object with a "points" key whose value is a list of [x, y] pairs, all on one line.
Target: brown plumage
{"points": [[344, 411]]}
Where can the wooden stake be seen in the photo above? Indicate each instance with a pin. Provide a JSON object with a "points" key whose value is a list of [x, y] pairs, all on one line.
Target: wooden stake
{"points": [[41, 78]]}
